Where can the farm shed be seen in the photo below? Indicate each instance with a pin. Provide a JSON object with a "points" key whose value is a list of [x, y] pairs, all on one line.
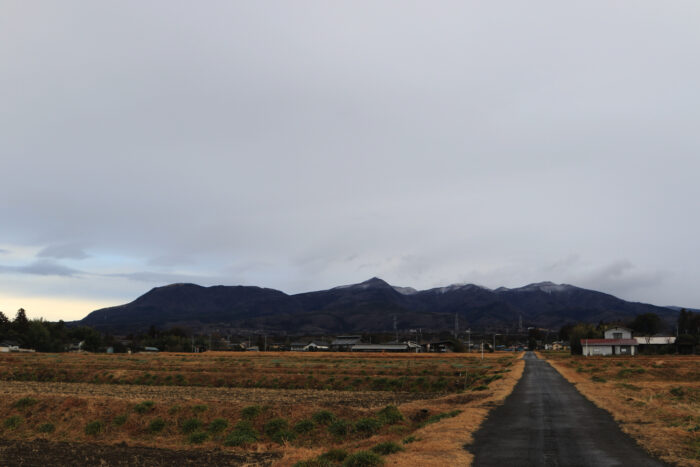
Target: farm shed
{"points": [[345, 343], [391, 347], [592, 347]]}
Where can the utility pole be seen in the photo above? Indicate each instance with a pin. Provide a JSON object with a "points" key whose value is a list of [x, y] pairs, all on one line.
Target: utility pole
{"points": [[396, 330], [469, 341], [456, 325], [265, 343]]}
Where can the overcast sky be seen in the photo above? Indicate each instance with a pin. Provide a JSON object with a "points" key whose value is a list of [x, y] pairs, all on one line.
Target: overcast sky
{"points": [[302, 145]]}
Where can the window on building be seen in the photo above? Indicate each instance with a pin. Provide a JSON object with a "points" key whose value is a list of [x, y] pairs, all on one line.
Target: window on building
{"points": [[617, 335]]}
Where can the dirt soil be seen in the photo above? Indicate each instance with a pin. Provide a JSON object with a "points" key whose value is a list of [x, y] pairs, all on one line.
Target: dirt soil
{"points": [[228, 395], [41, 453]]}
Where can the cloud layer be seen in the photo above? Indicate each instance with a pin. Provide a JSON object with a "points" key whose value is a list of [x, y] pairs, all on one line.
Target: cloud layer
{"points": [[309, 144]]}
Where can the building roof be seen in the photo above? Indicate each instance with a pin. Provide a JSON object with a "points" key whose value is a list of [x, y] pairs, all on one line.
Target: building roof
{"points": [[380, 346], [608, 342], [346, 340]]}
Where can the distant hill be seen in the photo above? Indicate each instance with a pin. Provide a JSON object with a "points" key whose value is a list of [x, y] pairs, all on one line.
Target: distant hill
{"points": [[369, 306]]}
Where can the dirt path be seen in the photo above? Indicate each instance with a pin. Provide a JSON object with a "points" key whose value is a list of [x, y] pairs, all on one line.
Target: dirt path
{"points": [[242, 395], [547, 422], [42, 453]]}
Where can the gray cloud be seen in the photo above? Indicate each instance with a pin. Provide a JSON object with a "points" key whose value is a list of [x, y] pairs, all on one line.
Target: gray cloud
{"points": [[41, 268], [65, 251], [309, 144]]}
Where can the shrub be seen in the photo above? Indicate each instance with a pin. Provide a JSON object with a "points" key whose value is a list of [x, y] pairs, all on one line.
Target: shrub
{"points": [[218, 425], [363, 459], [145, 406], [386, 448], [409, 439], [24, 403], [251, 412], [283, 436], [598, 379], [119, 420], [323, 417], [304, 426], [339, 428], [198, 437], [94, 428], [390, 415], [156, 425], [190, 425], [677, 391], [275, 425], [436, 418], [243, 433], [334, 455], [367, 426], [12, 422], [46, 428], [199, 408]]}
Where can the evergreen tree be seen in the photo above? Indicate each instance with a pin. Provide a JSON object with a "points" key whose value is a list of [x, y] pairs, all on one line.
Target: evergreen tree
{"points": [[21, 323]]}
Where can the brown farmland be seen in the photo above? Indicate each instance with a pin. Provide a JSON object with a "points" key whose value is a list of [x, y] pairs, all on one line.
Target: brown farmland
{"points": [[259, 408], [655, 399]]}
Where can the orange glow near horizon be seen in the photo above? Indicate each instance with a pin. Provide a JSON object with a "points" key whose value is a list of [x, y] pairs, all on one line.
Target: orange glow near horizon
{"points": [[50, 308]]}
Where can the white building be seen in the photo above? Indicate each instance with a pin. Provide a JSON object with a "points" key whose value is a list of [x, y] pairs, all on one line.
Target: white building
{"points": [[617, 341]]}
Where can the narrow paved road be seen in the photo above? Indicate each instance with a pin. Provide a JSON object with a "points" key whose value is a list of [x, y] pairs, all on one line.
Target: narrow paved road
{"points": [[547, 422]]}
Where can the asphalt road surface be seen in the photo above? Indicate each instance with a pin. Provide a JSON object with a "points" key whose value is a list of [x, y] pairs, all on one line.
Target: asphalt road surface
{"points": [[547, 422]]}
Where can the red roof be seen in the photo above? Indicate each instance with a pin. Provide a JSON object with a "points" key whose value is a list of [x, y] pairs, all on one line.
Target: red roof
{"points": [[609, 342]]}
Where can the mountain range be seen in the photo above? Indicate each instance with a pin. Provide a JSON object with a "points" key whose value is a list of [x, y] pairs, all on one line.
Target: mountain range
{"points": [[370, 306]]}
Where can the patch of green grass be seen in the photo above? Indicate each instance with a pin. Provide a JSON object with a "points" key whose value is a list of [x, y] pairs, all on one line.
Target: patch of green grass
{"points": [[190, 425], [437, 417], [217, 425], [323, 417], [363, 459], [13, 422], [242, 434], [156, 425], [119, 420], [677, 391], [304, 426], [631, 387], [386, 448], [145, 406], [197, 437], [334, 455], [367, 426], [46, 428], [339, 428], [24, 402], [390, 415], [94, 428], [251, 412]]}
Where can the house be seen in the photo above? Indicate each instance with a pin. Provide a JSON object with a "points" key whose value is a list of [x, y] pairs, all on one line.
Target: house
{"points": [[316, 346], [150, 350], [345, 343], [617, 341], [298, 346], [9, 346]]}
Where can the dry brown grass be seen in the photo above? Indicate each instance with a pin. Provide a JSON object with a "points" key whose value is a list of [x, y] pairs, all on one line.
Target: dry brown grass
{"points": [[655, 399], [70, 406]]}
